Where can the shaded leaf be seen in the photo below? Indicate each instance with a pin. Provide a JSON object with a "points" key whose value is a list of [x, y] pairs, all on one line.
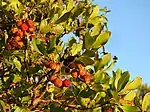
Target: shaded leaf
{"points": [[85, 60], [63, 18], [89, 53]]}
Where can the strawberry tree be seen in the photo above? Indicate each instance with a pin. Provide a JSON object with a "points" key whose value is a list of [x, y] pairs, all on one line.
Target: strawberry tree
{"points": [[40, 72]]}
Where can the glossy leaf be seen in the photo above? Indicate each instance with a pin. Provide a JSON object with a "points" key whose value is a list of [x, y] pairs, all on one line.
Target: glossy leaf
{"points": [[85, 60], [95, 12], [123, 80], [76, 48], [17, 64], [118, 74], [63, 18], [44, 27], [146, 103], [130, 96], [101, 39], [96, 29], [136, 83], [99, 64]]}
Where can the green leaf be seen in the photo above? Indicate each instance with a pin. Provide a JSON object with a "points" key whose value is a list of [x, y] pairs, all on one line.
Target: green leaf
{"points": [[130, 96], [85, 60], [101, 77], [127, 108], [77, 10], [2, 106], [20, 109], [84, 101], [63, 18], [123, 81], [96, 20], [96, 29], [100, 64], [76, 48], [95, 12], [71, 41], [16, 78], [34, 46], [89, 53], [25, 98], [146, 103], [17, 64], [70, 5], [52, 43], [88, 40], [110, 66], [58, 29], [98, 96], [136, 83], [44, 27], [118, 75], [101, 39]]}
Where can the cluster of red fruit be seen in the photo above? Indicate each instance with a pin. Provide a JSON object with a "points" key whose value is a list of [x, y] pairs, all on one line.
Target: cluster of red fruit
{"points": [[22, 28], [58, 82], [79, 71]]}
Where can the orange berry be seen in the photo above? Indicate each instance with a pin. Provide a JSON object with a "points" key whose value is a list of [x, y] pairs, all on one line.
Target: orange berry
{"points": [[75, 73], [31, 29], [57, 66], [66, 83], [58, 82], [82, 72], [24, 27], [19, 33], [17, 39], [80, 66], [32, 36], [30, 23], [52, 78], [20, 44], [53, 65], [19, 23]]}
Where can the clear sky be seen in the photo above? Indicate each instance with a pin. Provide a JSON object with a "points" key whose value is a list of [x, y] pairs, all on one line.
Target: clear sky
{"points": [[129, 22]]}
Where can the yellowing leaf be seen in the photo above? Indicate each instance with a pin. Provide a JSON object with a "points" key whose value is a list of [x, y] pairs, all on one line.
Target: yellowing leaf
{"points": [[76, 48], [146, 103], [17, 64], [95, 12]]}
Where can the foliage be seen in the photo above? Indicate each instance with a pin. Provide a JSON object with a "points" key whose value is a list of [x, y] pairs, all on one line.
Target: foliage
{"points": [[39, 72]]}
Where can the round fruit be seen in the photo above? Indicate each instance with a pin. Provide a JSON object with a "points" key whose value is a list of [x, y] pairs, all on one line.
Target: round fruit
{"points": [[47, 64], [53, 65], [109, 110], [80, 66], [87, 78], [57, 66], [52, 78], [30, 23], [19, 33], [82, 72], [66, 83], [75, 73], [58, 82], [17, 39], [31, 29], [72, 66], [9, 47], [20, 44], [24, 27], [19, 23]]}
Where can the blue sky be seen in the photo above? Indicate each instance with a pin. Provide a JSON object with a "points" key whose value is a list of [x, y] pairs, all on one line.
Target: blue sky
{"points": [[129, 22]]}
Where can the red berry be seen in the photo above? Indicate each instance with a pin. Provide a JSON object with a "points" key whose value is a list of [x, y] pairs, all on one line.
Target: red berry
{"points": [[9, 47], [58, 82], [24, 27], [19, 23], [75, 73], [32, 36], [87, 78], [72, 66], [19, 33], [30, 23], [109, 110], [66, 83], [82, 72]]}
